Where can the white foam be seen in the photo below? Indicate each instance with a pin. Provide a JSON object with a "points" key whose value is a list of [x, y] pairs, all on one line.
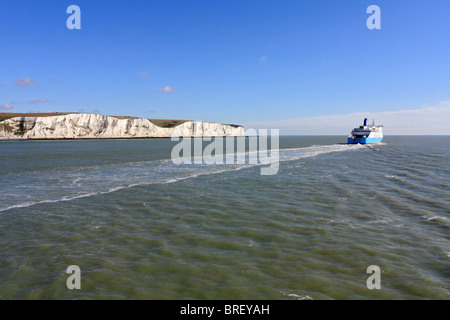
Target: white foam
{"points": [[32, 203], [437, 218], [299, 297], [295, 296]]}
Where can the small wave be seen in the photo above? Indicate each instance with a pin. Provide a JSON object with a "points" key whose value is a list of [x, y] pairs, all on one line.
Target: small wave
{"points": [[438, 219], [299, 297], [395, 178], [296, 296], [347, 222], [383, 220]]}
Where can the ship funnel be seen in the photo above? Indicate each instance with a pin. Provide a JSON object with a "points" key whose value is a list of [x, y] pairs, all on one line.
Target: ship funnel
{"points": [[365, 122]]}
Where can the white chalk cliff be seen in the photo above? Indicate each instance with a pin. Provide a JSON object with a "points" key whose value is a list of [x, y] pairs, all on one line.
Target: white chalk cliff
{"points": [[93, 126]]}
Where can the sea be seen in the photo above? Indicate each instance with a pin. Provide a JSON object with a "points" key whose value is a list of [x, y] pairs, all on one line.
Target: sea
{"points": [[333, 221]]}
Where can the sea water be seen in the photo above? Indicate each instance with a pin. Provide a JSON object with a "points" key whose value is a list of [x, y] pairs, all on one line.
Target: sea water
{"points": [[140, 227]]}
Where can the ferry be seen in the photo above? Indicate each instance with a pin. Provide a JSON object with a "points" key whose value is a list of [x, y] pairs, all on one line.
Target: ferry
{"points": [[366, 134]]}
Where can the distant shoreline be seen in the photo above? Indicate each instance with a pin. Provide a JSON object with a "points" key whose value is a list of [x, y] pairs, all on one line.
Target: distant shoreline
{"points": [[121, 138], [193, 137]]}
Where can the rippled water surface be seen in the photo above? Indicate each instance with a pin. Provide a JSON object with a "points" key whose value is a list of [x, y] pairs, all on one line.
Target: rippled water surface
{"points": [[141, 227]]}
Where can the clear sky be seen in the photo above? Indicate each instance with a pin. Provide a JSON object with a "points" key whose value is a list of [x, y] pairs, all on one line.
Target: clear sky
{"points": [[306, 67]]}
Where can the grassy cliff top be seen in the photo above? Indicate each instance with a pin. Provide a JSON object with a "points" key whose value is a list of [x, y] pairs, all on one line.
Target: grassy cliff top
{"points": [[9, 115], [163, 123]]}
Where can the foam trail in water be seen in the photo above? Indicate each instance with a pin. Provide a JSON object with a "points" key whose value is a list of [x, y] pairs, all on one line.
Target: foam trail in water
{"points": [[112, 178]]}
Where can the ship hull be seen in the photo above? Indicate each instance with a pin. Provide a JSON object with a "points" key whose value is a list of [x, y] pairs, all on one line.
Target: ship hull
{"points": [[364, 140]]}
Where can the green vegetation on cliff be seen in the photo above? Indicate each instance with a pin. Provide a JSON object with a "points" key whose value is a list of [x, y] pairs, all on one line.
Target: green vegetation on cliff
{"points": [[159, 122], [7, 115]]}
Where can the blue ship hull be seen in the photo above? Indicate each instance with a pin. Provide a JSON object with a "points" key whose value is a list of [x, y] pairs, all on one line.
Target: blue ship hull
{"points": [[364, 140]]}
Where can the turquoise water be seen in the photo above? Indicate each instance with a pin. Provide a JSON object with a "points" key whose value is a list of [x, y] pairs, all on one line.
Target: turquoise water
{"points": [[140, 227]]}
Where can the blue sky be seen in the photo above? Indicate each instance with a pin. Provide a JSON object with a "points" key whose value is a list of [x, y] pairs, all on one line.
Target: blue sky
{"points": [[263, 63]]}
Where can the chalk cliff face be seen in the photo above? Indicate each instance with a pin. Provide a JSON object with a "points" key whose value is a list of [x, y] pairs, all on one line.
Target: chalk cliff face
{"points": [[93, 126]]}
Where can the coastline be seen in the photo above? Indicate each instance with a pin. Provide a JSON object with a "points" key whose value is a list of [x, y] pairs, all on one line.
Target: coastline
{"points": [[75, 126], [118, 138]]}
